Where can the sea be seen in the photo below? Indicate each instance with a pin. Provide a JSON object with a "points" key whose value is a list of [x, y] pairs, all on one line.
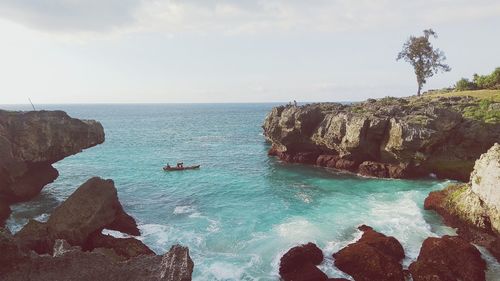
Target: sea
{"points": [[242, 210]]}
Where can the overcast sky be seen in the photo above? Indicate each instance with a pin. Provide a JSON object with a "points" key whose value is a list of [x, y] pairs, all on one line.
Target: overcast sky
{"points": [[101, 51]]}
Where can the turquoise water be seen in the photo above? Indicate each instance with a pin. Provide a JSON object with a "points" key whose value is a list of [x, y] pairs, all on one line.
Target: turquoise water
{"points": [[242, 210]]}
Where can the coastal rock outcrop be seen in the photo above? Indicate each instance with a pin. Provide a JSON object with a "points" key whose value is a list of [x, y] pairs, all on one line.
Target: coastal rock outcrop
{"points": [[70, 263], [80, 219], [373, 257], [299, 264], [448, 258], [474, 208], [71, 246], [30, 142], [390, 137]]}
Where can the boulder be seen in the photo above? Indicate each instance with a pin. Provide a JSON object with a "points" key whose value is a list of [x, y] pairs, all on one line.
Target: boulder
{"points": [[299, 264], [93, 206], [448, 258], [389, 137], [80, 220], [30, 142], [373, 257]]}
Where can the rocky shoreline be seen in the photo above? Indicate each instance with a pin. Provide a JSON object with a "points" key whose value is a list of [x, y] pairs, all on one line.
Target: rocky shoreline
{"points": [[474, 208], [376, 256], [70, 245], [388, 138]]}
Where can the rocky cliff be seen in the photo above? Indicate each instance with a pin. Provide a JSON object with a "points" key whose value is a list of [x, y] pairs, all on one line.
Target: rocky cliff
{"points": [[474, 208], [30, 142], [390, 137]]}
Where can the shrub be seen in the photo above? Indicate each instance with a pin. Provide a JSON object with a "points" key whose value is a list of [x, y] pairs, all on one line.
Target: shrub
{"points": [[465, 85]]}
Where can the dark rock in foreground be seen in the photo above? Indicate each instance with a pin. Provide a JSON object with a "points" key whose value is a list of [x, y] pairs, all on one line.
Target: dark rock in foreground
{"points": [[390, 137], [373, 257], [70, 263], [79, 220], [30, 142], [299, 264], [448, 258]]}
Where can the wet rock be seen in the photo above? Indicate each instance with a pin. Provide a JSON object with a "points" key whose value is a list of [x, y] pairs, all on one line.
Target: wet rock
{"points": [[35, 236], [448, 258], [373, 257], [30, 142], [299, 264], [405, 137]]}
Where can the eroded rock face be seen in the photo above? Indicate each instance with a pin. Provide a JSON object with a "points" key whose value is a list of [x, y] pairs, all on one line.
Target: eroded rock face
{"points": [[299, 264], [70, 263], [80, 219], [373, 257], [473, 207], [448, 258], [30, 142], [390, 137]]}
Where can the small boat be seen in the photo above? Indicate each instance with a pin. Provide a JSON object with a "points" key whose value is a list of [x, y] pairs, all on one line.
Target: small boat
{"points": [[175, 168]]}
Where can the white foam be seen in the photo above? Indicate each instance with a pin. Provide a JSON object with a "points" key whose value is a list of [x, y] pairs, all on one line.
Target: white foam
{"points": [[214, 226], [403, 219], [225, 271], [184, 209], [115, 233], [304, 197], [42, 218], [298, 230]]}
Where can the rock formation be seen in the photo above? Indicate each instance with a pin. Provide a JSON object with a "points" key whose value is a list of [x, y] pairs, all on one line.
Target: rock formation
{"points": [[70, 263], [71, 246], [474, 208], [299, 264], [30, 142], [448, 258], [373, 257], [390, 137], [80, 219]]}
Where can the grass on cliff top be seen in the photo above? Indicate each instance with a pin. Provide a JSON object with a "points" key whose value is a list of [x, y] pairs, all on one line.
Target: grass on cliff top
{"points": [[493, 95]]}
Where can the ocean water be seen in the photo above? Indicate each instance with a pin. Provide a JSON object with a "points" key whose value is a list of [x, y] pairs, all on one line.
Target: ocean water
{"points": [[242, 210]]}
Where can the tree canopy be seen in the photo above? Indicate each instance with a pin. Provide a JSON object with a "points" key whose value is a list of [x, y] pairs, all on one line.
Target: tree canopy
{"points": [[426, 60]]}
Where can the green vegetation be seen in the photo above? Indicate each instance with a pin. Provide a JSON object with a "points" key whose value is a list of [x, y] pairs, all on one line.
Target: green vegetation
{"points": [[425, 59], [489, 81], [492, 95], [483, 112]]}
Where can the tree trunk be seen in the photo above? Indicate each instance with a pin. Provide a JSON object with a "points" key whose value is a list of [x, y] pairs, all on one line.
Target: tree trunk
{"points": [[419, 89]]}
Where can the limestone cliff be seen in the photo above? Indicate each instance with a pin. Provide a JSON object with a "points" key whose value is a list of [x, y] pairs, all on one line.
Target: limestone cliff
{"points": [[30, 142], [389, 137], [474, 208]]}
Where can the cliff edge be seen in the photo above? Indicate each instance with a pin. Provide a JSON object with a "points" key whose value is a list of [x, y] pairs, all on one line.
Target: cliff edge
{"points": [[474, 207], [30, 142], [389, 137]]}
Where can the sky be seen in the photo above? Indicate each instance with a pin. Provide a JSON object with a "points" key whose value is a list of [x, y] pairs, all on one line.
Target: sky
{"points": [[150, 51]]}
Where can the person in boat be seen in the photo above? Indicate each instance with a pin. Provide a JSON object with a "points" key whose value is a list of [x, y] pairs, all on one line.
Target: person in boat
{"points": [[180, 165], [168, 166]]}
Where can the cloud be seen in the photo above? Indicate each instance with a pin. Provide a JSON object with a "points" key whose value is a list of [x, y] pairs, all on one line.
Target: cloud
{"points": [[69, 16], [236, 17]]}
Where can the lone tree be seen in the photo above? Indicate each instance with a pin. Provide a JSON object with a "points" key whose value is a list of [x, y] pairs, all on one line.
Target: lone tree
{"points": [[426, 60]]}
